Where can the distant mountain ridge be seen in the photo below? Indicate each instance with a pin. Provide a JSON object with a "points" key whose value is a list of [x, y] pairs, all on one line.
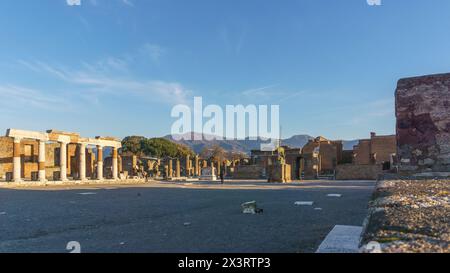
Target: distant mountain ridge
{"points": [[247, 145]]}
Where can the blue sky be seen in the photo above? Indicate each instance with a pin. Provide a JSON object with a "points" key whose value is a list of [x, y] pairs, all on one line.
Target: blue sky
{"points": [[116, 67]]}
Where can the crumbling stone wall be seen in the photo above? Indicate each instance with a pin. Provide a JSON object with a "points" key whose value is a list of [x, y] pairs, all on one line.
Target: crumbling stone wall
{"points": [[329, 153], [423, 123], [383, 147], [361, 152], [249, 172], [6, 157], [358, 172]]}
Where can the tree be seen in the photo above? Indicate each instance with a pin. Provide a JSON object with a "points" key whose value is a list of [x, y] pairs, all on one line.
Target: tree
{"points": [[161, 147], [132, 144], [236, 155], [214, 152]]}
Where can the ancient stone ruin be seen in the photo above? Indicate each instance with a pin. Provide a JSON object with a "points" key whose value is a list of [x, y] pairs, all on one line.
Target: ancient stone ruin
{"points": [[423, 124], [56, 155]]}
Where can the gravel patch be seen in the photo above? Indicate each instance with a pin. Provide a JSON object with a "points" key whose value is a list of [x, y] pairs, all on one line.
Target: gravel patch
{"points": [[410, 216]]}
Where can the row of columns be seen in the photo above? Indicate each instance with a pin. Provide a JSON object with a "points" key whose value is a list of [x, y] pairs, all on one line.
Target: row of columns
{"points": [[17, 166], [198, 166]]}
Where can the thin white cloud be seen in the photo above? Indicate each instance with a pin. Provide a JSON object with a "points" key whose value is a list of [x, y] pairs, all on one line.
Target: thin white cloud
{"points": [[101, 82], [272, 93], [260, 91], [128, 3], [18, 96]]}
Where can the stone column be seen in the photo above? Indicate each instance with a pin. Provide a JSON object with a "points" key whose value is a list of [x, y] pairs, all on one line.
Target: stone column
{"points": [[82, 174], [213, 168], [17, 168], [99, 162], [218, 167], [196, 166], [177, 171], [41, 166], [166, 171], [114, 163], [170, 168], [188, 166], [63, 161]]}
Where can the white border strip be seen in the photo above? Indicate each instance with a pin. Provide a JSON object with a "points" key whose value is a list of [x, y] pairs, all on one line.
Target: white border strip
{"points": [[341, 239]]}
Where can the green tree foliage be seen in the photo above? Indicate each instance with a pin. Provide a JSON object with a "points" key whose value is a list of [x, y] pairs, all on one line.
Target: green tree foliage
{"points": [[132, 144], [156, 147]]}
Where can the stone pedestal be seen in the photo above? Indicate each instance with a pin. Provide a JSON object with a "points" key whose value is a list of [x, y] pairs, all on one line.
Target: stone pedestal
{"points": [[208, 174], [279, 173]]}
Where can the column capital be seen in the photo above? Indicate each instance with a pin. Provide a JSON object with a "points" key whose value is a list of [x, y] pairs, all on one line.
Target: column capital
{"points": [[17, 139]]}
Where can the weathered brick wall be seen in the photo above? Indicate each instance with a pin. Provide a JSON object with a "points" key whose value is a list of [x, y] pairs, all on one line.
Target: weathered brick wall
{"points": [[6, 154], [423, 123], [52, 155], [358, 172], [383, 147], [328, 156], [362, 152]]}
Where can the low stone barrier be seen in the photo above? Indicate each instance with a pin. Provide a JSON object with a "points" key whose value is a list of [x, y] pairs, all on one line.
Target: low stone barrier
{"points": [[358, 172]]}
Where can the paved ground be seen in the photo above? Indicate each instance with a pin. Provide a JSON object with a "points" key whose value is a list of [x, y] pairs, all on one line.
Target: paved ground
{"points": [[155, 217]]}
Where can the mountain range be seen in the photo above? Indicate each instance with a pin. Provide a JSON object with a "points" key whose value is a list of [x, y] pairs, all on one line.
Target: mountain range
{"points": [[245, 146]]}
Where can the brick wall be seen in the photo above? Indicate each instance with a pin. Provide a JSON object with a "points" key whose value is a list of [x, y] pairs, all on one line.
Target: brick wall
{"points": [[383, 147]]}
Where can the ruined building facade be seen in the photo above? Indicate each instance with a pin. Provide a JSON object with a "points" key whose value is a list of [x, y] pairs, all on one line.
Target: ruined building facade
{"points": [[320, 157], [375, 150], [323, 158]]}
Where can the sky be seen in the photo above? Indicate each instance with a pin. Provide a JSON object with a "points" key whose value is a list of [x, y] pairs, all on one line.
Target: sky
{"points": [[117, 67]]}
